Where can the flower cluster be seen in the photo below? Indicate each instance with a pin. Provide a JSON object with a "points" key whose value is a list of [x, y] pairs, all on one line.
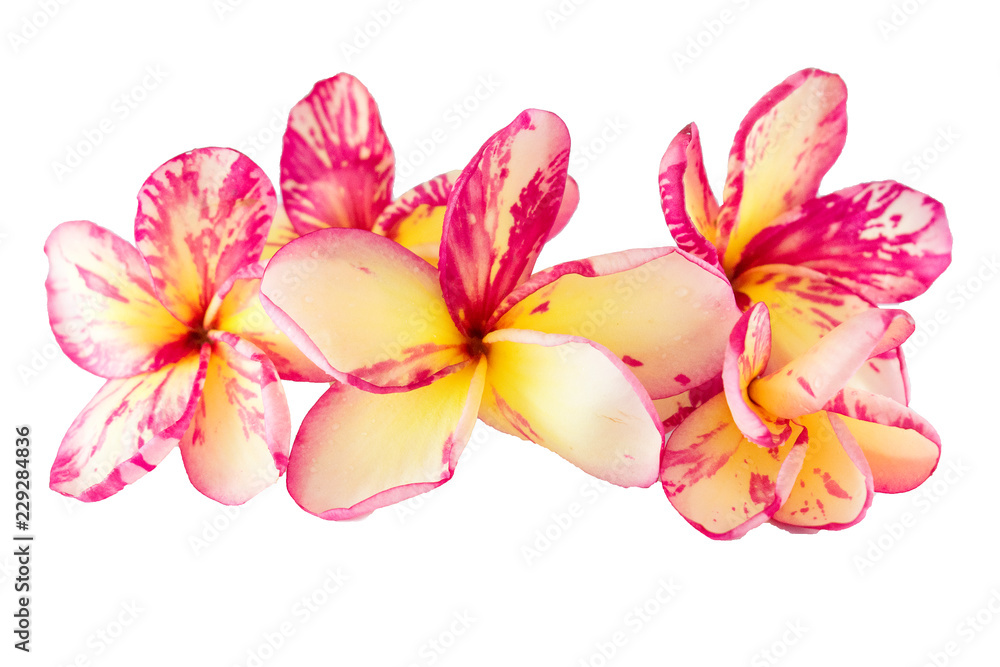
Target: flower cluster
{"points": [[750, 370]]}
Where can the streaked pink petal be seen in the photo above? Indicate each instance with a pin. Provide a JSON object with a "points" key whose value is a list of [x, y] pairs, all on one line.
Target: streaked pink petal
{"points": [[781, 152], [364, 309], [337, 166], [101, 304], [357, 451], [675, 409], [127, 429], [719, 481], [834, 488], [575, 398], [570, 200], [901, 447], [279, 235], [665, 313], [500, 214], [688, 204], [415, 220], [883, 240], [202, 216], [238, 441], [806, 383]]}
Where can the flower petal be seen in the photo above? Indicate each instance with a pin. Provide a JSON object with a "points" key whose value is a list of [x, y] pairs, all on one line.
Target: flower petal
{"points": [[688, 204], [781, 152], [719, 481], [364, 309], [500, 214], [415, 219], [575, 398], [806, 305], [237, 444], [202, 216], [337, 166], [127, 429], [242, 313], [358, 451], [666, 314], [570, 200], [675, 409], [901, 447], [883, 240], [279, 235], [806, 383], [834, 488], [102, 308]]}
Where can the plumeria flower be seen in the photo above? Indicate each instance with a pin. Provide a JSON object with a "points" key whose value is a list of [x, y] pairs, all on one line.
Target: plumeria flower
{"points": [[816, 261], [174, 324], [792, 442], [338, 168], [421, 352]]}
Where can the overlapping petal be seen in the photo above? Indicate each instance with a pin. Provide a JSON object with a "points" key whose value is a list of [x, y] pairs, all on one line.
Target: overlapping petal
{"points": [[884, 240], [688, 204], [575, 398], [202, 216], [501, 211], [279, 235], [415, 220], [238, 441], [675, 409], [337, 166], [664, 313], [358, 451], [101, 304], [127, 429], [781, 152], [363, 309]]}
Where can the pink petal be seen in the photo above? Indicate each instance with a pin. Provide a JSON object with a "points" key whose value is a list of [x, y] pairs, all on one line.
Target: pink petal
{"points": [[101, 304], [665, 313], [675, 409], [415, 220], [127, 429], [280, 234], [501, 212], [884, 240], [575, 398], [568, 205], [364, 309], [337, 166], [202, 216], [237, 444], [358, 451], [688, 204], [783, 148]]}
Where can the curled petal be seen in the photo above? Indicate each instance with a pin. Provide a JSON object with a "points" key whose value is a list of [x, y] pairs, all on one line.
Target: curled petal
{"points": [[666, 314], [364, 309], [501, 211], [358, 451], [900, 446], [781, 152], [570, 200], [834, 488], [202, 216], [688, 204], [805, 384], [719, 481], [127, 429], [279, 235], [237, 444], [883, 240], [575, 398], [337, 166], [102, 308], [415, 220]]}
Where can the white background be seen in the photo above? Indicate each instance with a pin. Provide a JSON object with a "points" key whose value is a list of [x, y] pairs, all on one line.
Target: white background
{"points": [[175, 579]]}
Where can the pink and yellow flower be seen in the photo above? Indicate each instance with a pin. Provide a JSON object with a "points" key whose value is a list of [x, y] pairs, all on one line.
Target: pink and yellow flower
{"points": [[338, 169], [558, 358], [793, 442], [175, 325]]}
